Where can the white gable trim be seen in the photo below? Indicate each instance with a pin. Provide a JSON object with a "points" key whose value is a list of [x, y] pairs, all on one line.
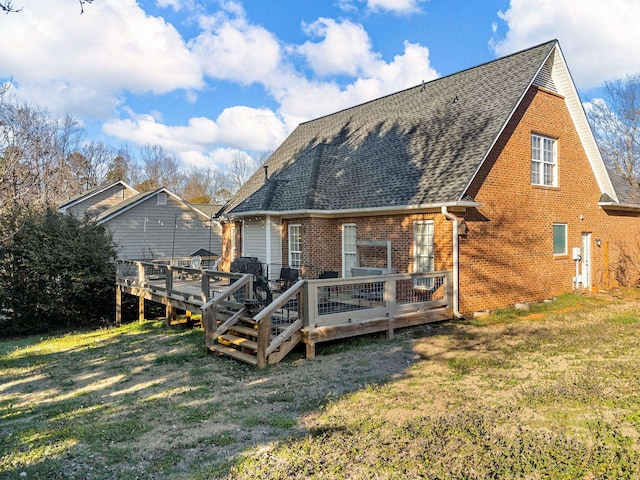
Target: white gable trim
{"points": [[564, 83]]}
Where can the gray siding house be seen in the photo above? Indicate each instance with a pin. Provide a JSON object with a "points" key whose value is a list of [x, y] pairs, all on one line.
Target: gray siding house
{"points": [[159, 224], [97, 200]]}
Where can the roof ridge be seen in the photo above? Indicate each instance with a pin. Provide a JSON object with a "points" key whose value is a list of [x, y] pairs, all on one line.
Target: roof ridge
{"points": [[424, 84]]}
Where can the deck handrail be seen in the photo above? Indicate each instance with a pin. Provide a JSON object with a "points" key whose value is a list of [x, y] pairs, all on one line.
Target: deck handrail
{"points": [[266, 345], [209, 309]]}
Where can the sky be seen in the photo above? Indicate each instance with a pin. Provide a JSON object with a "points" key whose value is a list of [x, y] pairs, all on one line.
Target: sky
{"points": [[208, 80]]}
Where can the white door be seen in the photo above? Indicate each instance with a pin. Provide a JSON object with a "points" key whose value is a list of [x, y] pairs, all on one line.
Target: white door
{"points": [[585, 261]]}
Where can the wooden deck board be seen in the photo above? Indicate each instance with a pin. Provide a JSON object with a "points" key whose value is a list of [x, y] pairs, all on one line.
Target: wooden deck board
{"points": [[232, 352]]}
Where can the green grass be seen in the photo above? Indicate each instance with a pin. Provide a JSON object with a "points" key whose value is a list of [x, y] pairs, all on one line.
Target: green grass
{"points": [[555, 395]]}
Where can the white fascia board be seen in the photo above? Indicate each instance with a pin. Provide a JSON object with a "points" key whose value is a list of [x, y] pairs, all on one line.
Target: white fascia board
{"points": [[564, 83], [357, 211], [625, 207]]}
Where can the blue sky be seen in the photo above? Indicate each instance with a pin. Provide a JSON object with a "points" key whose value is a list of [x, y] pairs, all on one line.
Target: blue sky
{"points": [[208, 80]]}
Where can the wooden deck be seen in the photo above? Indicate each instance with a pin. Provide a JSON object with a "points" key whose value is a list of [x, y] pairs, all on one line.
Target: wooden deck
{"points": [[311, 311]]}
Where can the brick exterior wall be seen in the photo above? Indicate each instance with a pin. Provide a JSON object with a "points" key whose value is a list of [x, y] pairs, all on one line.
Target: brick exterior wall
{"points": [[507, 255]]}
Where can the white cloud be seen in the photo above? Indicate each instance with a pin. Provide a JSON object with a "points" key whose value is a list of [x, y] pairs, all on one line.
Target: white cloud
{"points": [[302, 99], [175, 4], [90, 58], [236, 128], [599, 40], [229, 48], [395, 6], [345, 50]]}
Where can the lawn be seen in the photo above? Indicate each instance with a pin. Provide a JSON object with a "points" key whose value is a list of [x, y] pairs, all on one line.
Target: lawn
{"points": [[549, 393]]}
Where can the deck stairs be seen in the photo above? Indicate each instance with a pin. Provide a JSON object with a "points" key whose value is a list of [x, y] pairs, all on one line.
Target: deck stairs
{"points": [[238, 333]]}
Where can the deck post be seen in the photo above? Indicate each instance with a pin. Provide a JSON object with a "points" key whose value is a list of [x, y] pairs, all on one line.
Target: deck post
{"points": [[264, 337], [205, 287], [140, 274], [209, 323], [169, 314], [311, 350], [169, 279], [390, 303], [118, 306], [141, 309]]}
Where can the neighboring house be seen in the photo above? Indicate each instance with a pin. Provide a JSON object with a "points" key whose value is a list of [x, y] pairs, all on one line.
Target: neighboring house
{"points": [[159, 224], [492, 173], [96, 200]]}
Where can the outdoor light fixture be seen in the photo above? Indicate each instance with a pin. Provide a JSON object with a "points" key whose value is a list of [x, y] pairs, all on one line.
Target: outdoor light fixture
{"points": [[598, 242]]}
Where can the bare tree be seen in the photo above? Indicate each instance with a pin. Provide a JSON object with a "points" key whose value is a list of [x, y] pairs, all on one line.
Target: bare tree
{"points": [[615, 121], [159, 169], [7, 6], [198, 186], [26, 145], [240, 169]]}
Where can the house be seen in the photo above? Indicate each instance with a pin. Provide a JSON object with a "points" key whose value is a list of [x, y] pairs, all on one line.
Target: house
{"points": [[148, 225], [160, 225], [94, 201], [491, 173]]}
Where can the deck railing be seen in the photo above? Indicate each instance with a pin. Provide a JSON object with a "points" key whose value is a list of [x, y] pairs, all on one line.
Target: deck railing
{"points": [[280, 322], [355, 299], [197, 285]]}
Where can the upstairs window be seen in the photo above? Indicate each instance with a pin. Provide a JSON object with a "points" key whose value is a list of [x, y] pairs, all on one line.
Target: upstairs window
{"points": [[544, 161], [161, 198], [118, 191]]}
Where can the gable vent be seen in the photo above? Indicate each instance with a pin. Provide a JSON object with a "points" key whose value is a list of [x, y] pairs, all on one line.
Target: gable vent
{"points": [[544, 79]]}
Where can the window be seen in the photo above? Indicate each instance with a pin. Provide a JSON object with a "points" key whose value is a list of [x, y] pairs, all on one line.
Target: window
{"points": [[544, 164], [161, 198], [118, 191], [423, 251], [560, 239], [349, 249], [295, 246]]}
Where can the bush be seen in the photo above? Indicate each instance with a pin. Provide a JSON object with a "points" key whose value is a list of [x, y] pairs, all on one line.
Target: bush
{"points": [[55, 272]]}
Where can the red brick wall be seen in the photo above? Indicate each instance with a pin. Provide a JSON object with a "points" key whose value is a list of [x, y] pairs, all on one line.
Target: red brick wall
{"points": [[322, 241], [508, 255]]}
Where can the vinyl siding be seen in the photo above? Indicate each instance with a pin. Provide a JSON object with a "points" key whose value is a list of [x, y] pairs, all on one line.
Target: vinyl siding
{"points": [[190, 234]]}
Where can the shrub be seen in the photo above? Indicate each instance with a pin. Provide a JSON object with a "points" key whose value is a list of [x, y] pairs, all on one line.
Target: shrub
{"points": [[55, 272]]}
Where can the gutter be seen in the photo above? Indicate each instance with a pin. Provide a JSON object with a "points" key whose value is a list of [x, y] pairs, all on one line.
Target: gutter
{"points": [[624, 207], [456, 261], [354, 211]]}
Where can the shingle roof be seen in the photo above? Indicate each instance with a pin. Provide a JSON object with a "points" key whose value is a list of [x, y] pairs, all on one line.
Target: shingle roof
{"points": [[419, 146], [627, 195]]}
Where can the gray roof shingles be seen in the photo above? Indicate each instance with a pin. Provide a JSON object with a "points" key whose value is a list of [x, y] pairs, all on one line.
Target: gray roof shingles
{"points": [[419, 146]]}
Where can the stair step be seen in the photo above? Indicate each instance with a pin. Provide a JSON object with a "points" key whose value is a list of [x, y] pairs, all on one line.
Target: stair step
{"points": [[237, 354], [228, 339], [252, 332]]}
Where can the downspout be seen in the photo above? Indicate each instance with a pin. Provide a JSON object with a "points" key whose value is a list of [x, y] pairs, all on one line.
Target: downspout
{"points": [[456, 260]]}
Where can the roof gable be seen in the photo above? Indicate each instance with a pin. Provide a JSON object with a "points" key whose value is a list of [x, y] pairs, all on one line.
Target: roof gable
{"points": [[92, 192], [136, 200], [419, 147]]}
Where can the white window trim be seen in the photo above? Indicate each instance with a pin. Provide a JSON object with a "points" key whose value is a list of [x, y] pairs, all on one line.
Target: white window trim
{"points": [[566, 239], [423, 283], [291, 250], [541, 162], [346, 272]]}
